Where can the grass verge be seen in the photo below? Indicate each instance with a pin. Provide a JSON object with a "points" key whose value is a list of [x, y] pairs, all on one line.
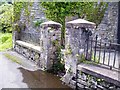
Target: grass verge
{"points": [[12, 58]]}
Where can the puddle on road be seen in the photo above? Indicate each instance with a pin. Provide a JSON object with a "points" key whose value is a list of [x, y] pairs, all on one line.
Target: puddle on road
{"points": [[40, 79]]}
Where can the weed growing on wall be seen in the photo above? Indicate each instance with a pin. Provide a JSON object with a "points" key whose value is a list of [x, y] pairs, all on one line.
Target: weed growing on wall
{"points": [[58, 66], [37, 23]]}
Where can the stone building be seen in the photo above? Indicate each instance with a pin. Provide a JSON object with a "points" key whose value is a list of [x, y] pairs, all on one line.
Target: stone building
{"points": [[108, 29]]}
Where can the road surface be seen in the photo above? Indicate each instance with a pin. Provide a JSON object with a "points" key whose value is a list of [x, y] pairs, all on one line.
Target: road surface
{"points": [[13, 75]]}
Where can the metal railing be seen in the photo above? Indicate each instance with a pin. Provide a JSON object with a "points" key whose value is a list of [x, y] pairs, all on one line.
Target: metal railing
{"points": [[104, 53]]}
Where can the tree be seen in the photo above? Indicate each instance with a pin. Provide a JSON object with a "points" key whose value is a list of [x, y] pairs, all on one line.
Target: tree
{"points": [[96, 13], [58, 11], [6, 17]]}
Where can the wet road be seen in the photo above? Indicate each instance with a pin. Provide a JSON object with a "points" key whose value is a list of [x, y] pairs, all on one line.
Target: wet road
{"points": [[13, 75]]}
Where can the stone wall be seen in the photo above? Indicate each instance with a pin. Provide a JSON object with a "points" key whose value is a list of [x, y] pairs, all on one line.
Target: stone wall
{"points": [[107, 30], [89, 82], [47, 37], [74, 55], [46, 54], [32, 55], [31, 32]]}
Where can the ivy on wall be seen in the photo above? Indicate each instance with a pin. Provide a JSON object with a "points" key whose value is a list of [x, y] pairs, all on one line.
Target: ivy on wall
{"points": [[58, 11], [17, 10], [19, 6]]}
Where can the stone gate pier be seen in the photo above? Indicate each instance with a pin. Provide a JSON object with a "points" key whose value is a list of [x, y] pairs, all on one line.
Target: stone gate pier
{"points": [[83, 67], [50, 42], [44, 52], [77, 33]]}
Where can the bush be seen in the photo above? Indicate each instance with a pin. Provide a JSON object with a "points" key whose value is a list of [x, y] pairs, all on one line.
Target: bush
{"points": [[5, 41]]}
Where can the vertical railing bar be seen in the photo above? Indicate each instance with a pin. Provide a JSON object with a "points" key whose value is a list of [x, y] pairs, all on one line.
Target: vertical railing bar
{"points": [[87, 47], [95, 47], [84, 50], [114, 57], [118, 56], [109, 54], [91, 49], [104, 54], [100, 51], [76, 88]]}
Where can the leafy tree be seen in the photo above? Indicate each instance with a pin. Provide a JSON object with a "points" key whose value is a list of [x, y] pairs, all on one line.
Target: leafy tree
{"points": [[96, 13], [58, 11], [6, 17], [1, 3]]}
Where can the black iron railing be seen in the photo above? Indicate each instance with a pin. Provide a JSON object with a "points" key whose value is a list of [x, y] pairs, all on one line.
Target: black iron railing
{"points": [[104, 53]]}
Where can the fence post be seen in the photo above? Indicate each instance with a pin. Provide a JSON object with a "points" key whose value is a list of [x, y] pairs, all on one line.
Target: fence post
{"points": [[95, 47]]}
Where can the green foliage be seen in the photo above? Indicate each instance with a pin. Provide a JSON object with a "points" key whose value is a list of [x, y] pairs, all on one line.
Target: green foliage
{"points": [[82, 59], [6, 17], [16, 27], [17, 10], [95, 58], [2, 3], [5, 38], [18, 7], [5, 41], [58, 11], [10, 14], [12, 58], [37, 23], [96, 13], [68, 51], [58, 66]]}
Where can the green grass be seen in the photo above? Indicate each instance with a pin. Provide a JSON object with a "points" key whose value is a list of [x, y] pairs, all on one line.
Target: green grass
{"points": [[12, 58], [5, 41]]}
